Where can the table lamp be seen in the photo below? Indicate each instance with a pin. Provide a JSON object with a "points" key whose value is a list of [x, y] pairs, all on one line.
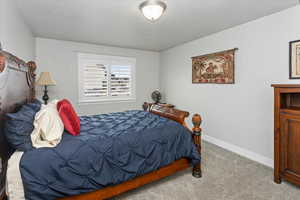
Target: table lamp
{"points": [[46, 80]]}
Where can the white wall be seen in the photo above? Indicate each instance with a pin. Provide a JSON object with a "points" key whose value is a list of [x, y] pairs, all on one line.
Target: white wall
{"points": [[15, 36], [60, 58], [238, 116]]}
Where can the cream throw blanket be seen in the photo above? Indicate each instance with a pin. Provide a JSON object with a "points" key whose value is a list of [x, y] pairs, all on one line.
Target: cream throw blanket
{"points": [[48, 127], [15, 188]]}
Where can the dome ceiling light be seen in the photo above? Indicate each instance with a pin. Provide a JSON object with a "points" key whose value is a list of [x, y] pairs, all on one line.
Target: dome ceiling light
{"points": [[153, 9]]}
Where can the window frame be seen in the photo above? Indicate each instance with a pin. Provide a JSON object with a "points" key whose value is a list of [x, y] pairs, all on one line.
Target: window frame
{"points": [[105, 60]]}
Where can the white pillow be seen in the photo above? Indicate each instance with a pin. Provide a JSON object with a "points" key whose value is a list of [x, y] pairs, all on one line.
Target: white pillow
{"points": [[48, 127]]}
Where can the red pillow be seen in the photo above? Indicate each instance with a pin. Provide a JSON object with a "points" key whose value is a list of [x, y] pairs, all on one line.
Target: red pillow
{"points": [[69, 117]]}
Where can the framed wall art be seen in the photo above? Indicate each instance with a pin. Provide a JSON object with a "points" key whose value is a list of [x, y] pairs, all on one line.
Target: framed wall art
{"points": [[214, 68], [295, 59]]}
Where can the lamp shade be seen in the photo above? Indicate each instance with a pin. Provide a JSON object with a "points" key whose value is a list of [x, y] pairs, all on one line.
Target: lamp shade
{"points": [[45, 79]]}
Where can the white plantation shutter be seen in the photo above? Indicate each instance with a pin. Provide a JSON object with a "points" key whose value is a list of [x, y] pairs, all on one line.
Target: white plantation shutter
{"points": [[106, 78], [120, 80], [95, 80]]}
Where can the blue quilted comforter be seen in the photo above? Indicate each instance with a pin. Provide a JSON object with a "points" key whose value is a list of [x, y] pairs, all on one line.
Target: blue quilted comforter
{"points": [[111, 148]]}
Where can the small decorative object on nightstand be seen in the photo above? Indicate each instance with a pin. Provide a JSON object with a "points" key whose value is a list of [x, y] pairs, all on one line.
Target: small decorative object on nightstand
{"points": [[156, 96], [46, 80]]}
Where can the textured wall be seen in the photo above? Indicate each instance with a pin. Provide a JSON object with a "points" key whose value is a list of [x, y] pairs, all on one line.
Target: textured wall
{"points": [[239, 114], [15, 36]]}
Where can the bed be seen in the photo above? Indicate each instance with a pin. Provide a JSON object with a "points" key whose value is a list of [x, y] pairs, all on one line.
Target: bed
{"points": [[136, 147]]}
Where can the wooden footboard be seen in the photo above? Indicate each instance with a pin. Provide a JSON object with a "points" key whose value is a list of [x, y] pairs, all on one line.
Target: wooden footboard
{"points": [[115, 190], [180, 117]]}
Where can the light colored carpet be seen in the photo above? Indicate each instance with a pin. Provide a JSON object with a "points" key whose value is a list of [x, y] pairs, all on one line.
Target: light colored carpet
{"points": [[226, 176]]}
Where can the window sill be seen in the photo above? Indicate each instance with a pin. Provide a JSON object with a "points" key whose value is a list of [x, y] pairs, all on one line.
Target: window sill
{"points": [[110, 101]]}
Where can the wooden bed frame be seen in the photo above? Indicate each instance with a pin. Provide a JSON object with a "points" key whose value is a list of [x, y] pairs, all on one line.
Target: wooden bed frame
{"points": [[19, 88]]}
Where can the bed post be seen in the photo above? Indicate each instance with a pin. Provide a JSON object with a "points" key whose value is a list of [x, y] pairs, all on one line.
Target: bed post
{"points": [[146, 106], [31, 78], [197, 140]]}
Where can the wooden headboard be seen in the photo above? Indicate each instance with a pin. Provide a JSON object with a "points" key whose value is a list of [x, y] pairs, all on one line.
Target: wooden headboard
{"points": [[17, 86]]}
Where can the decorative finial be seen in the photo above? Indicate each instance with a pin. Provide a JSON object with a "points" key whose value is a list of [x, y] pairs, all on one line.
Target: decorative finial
{"points": [[197, 122]]}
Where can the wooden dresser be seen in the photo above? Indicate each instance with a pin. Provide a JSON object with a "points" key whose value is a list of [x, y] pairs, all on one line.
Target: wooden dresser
{"points": [[287, 133]]}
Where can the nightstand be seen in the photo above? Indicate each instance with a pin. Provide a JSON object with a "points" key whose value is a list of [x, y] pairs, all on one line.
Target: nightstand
{"points": [[166, 105], [146, 105]]}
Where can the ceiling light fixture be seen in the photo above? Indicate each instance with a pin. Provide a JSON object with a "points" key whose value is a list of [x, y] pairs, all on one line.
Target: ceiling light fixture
{"points": [[153, 9]]}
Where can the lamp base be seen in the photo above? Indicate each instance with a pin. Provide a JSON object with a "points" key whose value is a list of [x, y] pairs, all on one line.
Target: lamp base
{"points": [[45, 97]]}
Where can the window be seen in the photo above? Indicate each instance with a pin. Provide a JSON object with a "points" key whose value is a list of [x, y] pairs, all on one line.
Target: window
{"points": [[106, 78]]}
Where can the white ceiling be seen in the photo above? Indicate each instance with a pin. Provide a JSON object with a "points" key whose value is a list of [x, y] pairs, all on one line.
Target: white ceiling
{"points": [[120, 23]]}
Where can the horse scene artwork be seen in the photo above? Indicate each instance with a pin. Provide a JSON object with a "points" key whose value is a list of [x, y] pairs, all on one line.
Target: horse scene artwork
{"points": [[214, 68]]}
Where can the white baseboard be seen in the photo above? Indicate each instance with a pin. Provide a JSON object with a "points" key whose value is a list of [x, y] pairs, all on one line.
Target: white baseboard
{"points": [[238, 150]]}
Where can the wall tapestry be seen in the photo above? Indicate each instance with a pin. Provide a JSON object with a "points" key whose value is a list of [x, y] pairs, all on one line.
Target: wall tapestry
{"points": [[295, 59], [214, 68]]}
